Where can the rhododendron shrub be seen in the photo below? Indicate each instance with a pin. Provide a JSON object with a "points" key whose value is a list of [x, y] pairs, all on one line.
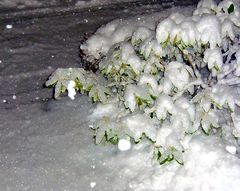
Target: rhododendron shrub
{"points": [[165, 85]]}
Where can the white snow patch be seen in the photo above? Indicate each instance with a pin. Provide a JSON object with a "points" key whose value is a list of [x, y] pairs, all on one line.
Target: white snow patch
{"points": [[231, 149], [207, 167], [71, 89], [214, 59], [124, 145], [58, 154], [8, 26], [93, 184]]}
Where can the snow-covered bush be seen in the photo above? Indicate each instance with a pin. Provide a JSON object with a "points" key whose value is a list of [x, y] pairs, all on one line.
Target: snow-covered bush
{"points": [[163, 85]]}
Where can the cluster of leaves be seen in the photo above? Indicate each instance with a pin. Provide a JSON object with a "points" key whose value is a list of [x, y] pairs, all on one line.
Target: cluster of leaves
{"points": [[164, 155], [86, 81], [170, 78]]}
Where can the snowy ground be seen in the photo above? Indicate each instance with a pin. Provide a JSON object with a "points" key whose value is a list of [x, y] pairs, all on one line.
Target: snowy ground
{"points": [[48, 145], [51, 148]]}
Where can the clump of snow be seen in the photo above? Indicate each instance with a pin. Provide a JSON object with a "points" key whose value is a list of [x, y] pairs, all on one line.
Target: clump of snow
{"points": [[213, 58], [176, 74], [124, 145], [150, 81], [228, 29], [209, 28], [133, 93], [236, 122], [71, 89], [93, 184], [164, 105], [8, 26], [231, 149], [139, 123], [163, 30], [209, 4]]}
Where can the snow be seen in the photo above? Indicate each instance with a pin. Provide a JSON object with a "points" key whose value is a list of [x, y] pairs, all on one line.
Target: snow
{"points": [[210, 30], [236, 122], [93, 184], [214, 59], [164, 105], [228, 29], [149, 80], [124, 145], [132, 93], [231, 149], [55, 151], [121, 29], [162, 135], [177, 73], [163, 30], [71, 89], [50, 146], [207, 4], [139, 123], [191, 30], [209, 167], [9, 26], [130, 97], [224, 96], [128, 56]]}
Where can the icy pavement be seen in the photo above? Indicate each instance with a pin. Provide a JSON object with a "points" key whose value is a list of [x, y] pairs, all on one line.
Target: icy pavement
{"points": [[48, 145]]}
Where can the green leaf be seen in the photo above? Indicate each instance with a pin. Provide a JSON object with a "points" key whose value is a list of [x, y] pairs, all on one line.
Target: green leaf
{"points": [[230, 8], [169, 158], [114, 140]]}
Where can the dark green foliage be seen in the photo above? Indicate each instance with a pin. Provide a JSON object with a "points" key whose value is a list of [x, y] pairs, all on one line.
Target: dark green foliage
{"points": [[230, 9]]}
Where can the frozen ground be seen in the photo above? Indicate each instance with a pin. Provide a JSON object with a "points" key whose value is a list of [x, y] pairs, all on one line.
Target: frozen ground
{"points": [[50, 147], [47, 144]]}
